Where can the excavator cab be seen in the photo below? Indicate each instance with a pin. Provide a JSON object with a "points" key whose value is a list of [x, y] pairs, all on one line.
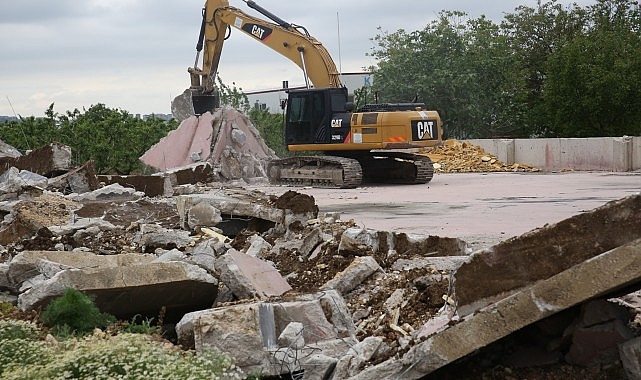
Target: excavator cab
{"points": [[317, 116]]}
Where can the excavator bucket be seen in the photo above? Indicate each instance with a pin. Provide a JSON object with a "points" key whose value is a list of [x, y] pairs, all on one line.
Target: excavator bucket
{"points": [[205, 103], [191, 103]]}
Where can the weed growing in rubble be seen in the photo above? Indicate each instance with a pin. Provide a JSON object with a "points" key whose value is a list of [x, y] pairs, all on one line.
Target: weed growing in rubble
{"points": [[144, 327], [101, 356], [74, 312]]}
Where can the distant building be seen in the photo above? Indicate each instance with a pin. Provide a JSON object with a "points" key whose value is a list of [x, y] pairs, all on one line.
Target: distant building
{"points": [[8, 118]]}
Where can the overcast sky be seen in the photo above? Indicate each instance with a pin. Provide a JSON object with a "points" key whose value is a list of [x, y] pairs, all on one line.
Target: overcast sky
{"points": [[134, 54]]}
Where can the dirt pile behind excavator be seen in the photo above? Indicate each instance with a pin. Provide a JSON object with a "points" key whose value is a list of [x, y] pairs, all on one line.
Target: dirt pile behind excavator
{"points": [[462, 157]]}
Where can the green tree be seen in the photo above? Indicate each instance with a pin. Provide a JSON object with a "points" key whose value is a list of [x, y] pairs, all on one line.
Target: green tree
{"points": [[233, 96], [271, 127], [462, 68], [113, 139], [534, 34], [30, 132], [594, 82]]}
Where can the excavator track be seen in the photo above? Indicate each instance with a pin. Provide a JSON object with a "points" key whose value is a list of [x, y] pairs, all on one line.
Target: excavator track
{"points": [[317, 171], [396, 167]]}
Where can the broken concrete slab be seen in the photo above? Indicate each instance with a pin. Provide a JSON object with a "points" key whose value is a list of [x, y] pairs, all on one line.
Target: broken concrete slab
{"points": [[25, 264], [362, 352], [153, 236], [198, 172], [7, 150], [79, 180], [113, 192], [233, 205], [78, 224], [14, 182], [446, 264], [249, 277], [248, 332], [358, 239], [125, 291], [49, 160], [202, 214], [257, 246], [546, 251], [352, 276], [292, 336], [152, 186], [586, 280], [188, 143]]}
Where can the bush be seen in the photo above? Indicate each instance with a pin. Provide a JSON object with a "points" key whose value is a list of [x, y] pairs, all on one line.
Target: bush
{"points": [[74, 312], [10, 329], [126, 356], [19, 346]]}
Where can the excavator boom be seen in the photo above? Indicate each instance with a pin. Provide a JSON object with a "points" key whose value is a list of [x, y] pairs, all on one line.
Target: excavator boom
{"points": [[289, 40]]}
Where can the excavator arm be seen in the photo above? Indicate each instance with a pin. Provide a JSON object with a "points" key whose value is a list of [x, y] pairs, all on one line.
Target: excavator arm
{"points": [[287, 39]]}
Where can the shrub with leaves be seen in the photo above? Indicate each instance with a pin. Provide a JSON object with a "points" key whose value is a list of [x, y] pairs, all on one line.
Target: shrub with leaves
{"points": [[19, 346], [76, 312], [126, 356]]}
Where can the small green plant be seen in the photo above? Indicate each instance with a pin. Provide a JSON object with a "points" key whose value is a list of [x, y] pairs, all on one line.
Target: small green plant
{"points": [[74, 312], [124, 356], [19, 345], [144, 327], [10, 329], [6, 308]]}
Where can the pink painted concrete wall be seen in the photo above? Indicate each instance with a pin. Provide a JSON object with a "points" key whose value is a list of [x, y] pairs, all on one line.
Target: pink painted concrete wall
{"points": [[178, 148]]}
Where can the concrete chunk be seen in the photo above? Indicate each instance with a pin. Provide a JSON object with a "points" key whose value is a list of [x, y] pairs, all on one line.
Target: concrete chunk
{"points": [[79, 180], [248, 276], [125, 291], [247, 333], [25, 264], [49, 160], [152, 186], [352, 276], [589, 279], [544, 252]]}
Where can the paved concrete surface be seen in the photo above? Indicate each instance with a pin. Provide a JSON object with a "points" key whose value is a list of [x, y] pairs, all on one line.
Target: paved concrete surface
{"points": [[480, 208]]}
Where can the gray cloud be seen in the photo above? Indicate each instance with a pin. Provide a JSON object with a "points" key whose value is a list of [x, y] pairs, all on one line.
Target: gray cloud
{"points": [[134, 54]]}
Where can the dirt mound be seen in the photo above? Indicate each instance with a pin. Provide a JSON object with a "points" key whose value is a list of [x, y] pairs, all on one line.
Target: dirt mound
{"points": [[462, 157], [297, 202]]}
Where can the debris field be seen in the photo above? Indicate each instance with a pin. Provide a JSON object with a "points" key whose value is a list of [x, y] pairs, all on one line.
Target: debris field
{"points": [[286, 289]]}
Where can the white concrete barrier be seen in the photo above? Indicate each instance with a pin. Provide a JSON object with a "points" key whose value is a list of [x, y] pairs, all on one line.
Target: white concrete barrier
{"points": [[617, 154]]}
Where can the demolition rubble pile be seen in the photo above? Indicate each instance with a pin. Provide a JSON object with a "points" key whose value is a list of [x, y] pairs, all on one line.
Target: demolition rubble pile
{"points": [[285, 289], [226, 139], [463, 157]]}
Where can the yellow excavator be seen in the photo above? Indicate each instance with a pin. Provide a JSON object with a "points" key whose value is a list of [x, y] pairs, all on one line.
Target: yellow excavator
{"points": [[368, 145]]}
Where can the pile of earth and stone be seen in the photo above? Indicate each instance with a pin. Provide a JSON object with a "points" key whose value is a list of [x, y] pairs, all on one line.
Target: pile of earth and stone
{"points": [[455, 156], [286, 289]]}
